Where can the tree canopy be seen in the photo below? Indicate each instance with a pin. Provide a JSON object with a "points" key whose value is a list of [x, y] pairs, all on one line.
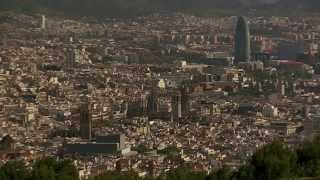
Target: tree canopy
{"points": [[43, 169], [271, 162]]}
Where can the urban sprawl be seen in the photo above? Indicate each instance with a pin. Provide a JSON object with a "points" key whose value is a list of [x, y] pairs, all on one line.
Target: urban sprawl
{"points": [[149, 93]]}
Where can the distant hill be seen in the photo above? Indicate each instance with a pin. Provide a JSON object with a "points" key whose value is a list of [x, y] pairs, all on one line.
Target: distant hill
{"points": [[138, 7]]}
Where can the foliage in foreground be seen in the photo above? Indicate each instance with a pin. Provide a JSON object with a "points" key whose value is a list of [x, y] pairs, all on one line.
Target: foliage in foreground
{"points": [[44, 169], [273, 161]]}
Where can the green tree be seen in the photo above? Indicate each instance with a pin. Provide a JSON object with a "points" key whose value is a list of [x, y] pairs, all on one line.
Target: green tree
{"points": [[308, 158], [273, 161], [221, 174], [52, 169], [170, 150], [66, 170], [14, 170], [245, 172], [44, 172], [3, 176], [184, 173], [112, 175], [141, 149]]}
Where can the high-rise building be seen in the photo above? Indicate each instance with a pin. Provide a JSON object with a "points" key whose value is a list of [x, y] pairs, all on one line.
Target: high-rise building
{"points": [[70, 58], [176, 106], [185, 103], [85, 118], [242, 41], [152, 103]]}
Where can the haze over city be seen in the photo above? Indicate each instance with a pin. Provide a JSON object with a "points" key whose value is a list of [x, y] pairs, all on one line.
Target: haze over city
{"points": [[159, 89]]}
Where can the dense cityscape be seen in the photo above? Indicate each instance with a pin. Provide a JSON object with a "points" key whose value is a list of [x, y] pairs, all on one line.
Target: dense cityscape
{"points": [[147, 96]]}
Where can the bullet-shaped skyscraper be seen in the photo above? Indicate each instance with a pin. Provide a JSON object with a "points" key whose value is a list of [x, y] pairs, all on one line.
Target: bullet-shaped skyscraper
{"points": [[242, 41]]}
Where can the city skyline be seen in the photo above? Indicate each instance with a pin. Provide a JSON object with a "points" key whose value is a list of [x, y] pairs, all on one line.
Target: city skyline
{"points": [[174, 90]]}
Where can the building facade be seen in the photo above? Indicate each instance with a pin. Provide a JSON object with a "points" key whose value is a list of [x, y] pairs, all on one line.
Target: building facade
{"points": [[242, 41]]}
